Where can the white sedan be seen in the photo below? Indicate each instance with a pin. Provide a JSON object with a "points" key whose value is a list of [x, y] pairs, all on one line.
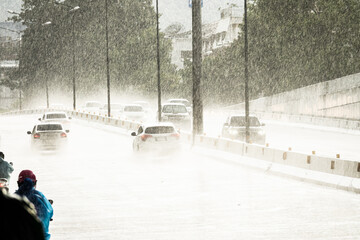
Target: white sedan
{"points": [[158, 136], [48, 136], [133, 112], [60, 117]]}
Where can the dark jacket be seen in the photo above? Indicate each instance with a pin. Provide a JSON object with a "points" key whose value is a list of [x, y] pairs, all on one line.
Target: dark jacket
{"points": [[19, 220], [42, 205]]}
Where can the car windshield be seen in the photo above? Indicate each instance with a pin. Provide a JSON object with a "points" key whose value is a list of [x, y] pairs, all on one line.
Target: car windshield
{"points": [[159, 130], [185, 102], [49, 127], [93, 104], [55, 115], [239, 121], [133, 109], [174, 109]]}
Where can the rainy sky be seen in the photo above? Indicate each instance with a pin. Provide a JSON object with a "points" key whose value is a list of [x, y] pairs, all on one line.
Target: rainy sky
{"points": [[171, 10]]}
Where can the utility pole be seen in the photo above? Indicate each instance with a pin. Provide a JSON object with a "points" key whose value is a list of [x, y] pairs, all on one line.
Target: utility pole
{"points": [[247, 123], [107, 58], [158, 61], [20, 85], [72, 10], [46, 63], [196, 67], [73, 58]]}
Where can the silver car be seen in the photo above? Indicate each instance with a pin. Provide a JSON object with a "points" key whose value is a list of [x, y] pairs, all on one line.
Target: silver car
{"points": [[183, 101], [133, 112], [158, 136], [177, 114], [235, 128], [59, 117], [48, 136]]}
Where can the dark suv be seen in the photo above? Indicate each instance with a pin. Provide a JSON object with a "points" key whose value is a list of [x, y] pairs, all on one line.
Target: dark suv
{"points": [[234, 128]]}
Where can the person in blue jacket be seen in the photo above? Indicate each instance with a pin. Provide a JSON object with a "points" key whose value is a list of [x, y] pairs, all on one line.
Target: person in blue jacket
{"points": [[27, 184]]}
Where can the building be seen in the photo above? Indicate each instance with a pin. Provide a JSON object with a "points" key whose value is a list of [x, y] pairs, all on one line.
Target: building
{"points": [[10, 40], [8, 97], [215, 35]]}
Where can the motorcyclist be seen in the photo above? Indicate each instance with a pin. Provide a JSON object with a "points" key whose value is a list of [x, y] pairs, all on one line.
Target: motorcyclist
{"points": [[5, 168], [27, 184]]}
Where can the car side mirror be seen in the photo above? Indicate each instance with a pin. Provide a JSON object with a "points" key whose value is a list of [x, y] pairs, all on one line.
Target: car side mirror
{"points": [[133, 134], [28, 132], [67, 131], [39, 119], [70, 118], [263, 124]]}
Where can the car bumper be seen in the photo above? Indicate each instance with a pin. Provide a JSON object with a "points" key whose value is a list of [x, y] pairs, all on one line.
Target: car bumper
{"points": [[48, 144], [160, 146]]}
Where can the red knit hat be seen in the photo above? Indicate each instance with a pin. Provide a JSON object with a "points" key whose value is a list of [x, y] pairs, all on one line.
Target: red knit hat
{"points": [[26, 174]]}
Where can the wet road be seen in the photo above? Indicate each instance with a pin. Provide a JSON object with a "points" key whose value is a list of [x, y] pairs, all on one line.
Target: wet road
{"points": [[101, 190]]}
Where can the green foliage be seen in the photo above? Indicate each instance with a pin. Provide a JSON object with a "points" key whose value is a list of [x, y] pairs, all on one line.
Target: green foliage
{"points": [[48, 50], [292, 44]]}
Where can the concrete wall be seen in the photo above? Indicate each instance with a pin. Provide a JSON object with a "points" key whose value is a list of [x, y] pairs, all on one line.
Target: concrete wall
{"points": [[339, 98]]}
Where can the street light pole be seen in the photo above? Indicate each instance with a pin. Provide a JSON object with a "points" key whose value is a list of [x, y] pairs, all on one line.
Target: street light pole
{"points": [[196, 67], [20, 85], [74, 66], [247, 124], [107, 57], [73, 49], [158, 61], [46, 68]]}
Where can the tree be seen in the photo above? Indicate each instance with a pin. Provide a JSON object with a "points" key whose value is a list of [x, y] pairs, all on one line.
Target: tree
{"points": [[292, 44], [132, 46]]}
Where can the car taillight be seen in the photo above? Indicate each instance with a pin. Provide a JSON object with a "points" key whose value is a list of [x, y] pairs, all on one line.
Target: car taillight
{"points": [[63, 135], [36, 135], [177, 135], [145, 136]]}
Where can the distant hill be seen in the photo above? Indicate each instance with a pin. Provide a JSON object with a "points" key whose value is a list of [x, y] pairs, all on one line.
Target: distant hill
{"points": [[171, 10]]}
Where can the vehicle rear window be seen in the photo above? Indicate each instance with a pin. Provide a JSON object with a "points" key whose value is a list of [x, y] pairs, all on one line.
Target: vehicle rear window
{"points": [[186, 103], [143, 104], [174, 109], [159, 130], [49, 127], [239, 121], [113, 106], [133, 109], [93, 104], [55, 115]]}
